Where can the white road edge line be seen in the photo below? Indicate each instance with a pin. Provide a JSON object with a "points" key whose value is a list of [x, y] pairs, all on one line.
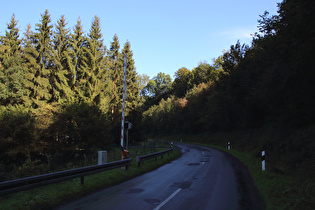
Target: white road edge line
{"points": [[167, 199]]}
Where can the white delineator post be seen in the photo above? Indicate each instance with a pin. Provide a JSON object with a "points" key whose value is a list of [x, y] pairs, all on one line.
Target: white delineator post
{"points": [[123, 105], [263, 168], [229, 145]]}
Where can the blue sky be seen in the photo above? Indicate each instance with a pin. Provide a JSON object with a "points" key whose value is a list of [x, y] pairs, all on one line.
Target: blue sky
{"points": [[165, 35]]}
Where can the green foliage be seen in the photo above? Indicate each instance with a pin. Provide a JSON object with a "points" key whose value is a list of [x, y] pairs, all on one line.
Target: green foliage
{"points": [[234, 57], [132, 83], [55, 67], [61, 72], [116, 76], [17, 132], [143, 81], [182, 82], [204, 73], [38, 59], [70, 89], [91, 78], [12, 81], [77, 45], [12, 70], [11, 39], [162, 84], [159, 87], [83, 126]]}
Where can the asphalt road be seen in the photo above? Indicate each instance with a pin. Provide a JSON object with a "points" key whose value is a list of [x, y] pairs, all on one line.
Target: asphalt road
{"points": [[202, 178]]}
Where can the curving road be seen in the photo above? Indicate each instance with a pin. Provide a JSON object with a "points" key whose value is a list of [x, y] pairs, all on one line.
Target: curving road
{"points": [[202, 178]]}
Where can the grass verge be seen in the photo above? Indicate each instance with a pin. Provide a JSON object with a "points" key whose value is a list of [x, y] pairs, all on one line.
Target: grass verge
{"points": [[51, 196], [278, 191]]}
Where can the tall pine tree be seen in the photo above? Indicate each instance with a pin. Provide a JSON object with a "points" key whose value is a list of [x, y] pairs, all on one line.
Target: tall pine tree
{"points": [[96, 61], [115, 73], [12, 70], [60, 72], [38, 56], [77, 45], [133, 92], [91, 73], [11, 38]]}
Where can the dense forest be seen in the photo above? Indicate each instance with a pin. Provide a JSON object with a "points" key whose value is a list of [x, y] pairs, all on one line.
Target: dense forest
{"points": [[61, 91], [259, 97]]}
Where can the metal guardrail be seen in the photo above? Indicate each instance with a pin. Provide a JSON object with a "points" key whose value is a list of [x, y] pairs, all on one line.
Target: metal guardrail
{"points": [[140, 159], [45, 179]]}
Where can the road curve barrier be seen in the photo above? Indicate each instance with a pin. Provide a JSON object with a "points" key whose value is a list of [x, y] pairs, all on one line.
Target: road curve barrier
{"points": [[140, 159], [17, 185]]}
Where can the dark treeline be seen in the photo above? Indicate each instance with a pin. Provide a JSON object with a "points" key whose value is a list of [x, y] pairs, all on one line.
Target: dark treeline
{"points": [[266, 88], [61, 92]]}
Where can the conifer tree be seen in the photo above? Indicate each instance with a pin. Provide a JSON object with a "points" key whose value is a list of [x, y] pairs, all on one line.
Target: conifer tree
{"points": [[133, 92], [77, 43], [60, 71], [91, 80], [11, 38], [115, 76], [96, 60], [27, 44], [38, 56], [26, 41], [12, 75], [42, 41]]}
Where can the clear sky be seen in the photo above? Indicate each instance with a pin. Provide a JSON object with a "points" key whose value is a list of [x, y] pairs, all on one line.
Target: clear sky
{"points": [[165, 35]]}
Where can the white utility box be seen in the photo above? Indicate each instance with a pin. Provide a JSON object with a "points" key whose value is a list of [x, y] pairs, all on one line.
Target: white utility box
{"points": [[102, 157]]}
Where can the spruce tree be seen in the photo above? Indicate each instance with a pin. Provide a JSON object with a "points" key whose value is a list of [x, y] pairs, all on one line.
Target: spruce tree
{"points": [[11, 38], [133, 92], [38, 57], [42, 41], [60, 72], [96, 60], [12, 71], [77, 49], [91, 75], [27, 44], [83, 83], [116, 73]]}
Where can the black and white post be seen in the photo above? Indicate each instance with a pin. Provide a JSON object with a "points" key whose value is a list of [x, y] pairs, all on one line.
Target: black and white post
{"points": [[229, 145], [263, 167], [123, 105]]}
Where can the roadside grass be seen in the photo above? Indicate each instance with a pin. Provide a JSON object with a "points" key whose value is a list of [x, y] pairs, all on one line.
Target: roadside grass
{"points": [[279, 192], [54, 195]]}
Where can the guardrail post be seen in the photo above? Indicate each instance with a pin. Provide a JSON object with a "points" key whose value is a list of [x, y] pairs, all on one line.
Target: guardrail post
{"points": [[138, 160], [127, 166], [82, 180]]}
